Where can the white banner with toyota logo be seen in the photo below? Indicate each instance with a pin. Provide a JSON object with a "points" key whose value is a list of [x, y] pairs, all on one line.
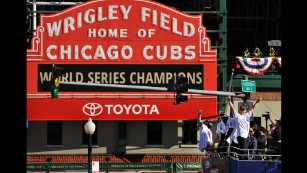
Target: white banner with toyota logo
{"points": [[118, 108], [95, 109]]}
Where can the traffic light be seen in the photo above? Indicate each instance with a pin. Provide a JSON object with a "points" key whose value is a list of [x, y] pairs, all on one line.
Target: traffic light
{"points": [[180, 87], [247, 96], [55, 80], [55, 83]]}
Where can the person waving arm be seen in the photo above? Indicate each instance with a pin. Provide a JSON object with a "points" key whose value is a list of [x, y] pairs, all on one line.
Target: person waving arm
{"points": [[231, 106], [256, 104], [199, 123]]}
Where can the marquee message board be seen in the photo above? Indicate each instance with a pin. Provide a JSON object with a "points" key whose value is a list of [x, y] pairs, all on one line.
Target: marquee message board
{"points": [[131, 42]]}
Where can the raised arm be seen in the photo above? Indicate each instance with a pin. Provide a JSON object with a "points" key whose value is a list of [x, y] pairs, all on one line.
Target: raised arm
{"points": [[272, 122], [256, 104], [199, 117], [231, 106]]}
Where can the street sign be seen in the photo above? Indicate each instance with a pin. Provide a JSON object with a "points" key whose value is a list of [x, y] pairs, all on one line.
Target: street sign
{"points": [[248, 86]]}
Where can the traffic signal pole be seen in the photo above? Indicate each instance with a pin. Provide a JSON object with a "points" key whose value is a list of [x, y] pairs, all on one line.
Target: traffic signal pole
{"points": [[217, 93], [119, 86], [139, 87]]}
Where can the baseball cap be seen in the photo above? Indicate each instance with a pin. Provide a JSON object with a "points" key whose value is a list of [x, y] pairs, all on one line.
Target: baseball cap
{"points": [[210, 121], [222, 113], [243, 107]]}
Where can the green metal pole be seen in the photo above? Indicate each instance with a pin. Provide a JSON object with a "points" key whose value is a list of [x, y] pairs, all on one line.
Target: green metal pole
{"points": [[170, 168], [122, 137], [107, 160], [222, 51], [107, 167], [48, 164], [47, 171]]}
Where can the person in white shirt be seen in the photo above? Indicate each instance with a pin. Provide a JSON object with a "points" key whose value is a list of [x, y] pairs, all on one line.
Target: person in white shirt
{"points": [[220, 130], [243, 121], [231, 135], [205, 141]]}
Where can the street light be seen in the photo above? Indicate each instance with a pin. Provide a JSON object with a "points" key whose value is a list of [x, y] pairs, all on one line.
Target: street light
{"points": [[89, 128]]}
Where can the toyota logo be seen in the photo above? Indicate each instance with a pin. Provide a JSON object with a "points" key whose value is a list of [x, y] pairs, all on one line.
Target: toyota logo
{"points": [[92, 109]]}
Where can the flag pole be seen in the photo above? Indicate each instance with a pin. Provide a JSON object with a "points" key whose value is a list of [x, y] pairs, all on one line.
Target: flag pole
{"points": [[231, 89], [230, 83]]}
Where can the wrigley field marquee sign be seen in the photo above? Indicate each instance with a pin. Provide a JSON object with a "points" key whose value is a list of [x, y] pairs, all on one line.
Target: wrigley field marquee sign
{"points": [[131, 42]]}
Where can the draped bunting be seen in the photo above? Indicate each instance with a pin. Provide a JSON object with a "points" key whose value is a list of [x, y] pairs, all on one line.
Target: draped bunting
{"points": [[278, 60], [257, 65]]}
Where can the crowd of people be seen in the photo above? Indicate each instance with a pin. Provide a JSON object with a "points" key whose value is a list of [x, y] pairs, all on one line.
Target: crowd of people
{"points": [[237, 132], [257, 52]]}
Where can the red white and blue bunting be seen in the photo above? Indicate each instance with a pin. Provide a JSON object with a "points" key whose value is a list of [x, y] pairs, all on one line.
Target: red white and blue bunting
{"points": [[278, 60], [257, 65]]}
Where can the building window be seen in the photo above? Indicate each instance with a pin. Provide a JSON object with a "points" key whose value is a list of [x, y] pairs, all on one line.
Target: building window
{"points": [[85, 136], [54, 132], [189, 132], [154, 132]]}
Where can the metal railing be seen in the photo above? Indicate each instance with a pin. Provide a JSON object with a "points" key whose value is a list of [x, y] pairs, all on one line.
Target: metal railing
{"points": [[169, 167], [245, 154]]}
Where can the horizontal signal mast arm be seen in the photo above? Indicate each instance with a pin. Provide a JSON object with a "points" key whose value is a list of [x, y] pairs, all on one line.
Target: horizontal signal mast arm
{"points": [[217, 93], [194, 91], [119, 86]]}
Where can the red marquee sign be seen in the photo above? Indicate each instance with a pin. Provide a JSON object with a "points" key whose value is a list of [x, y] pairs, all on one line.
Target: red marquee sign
{"points": [[131, 42]]}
